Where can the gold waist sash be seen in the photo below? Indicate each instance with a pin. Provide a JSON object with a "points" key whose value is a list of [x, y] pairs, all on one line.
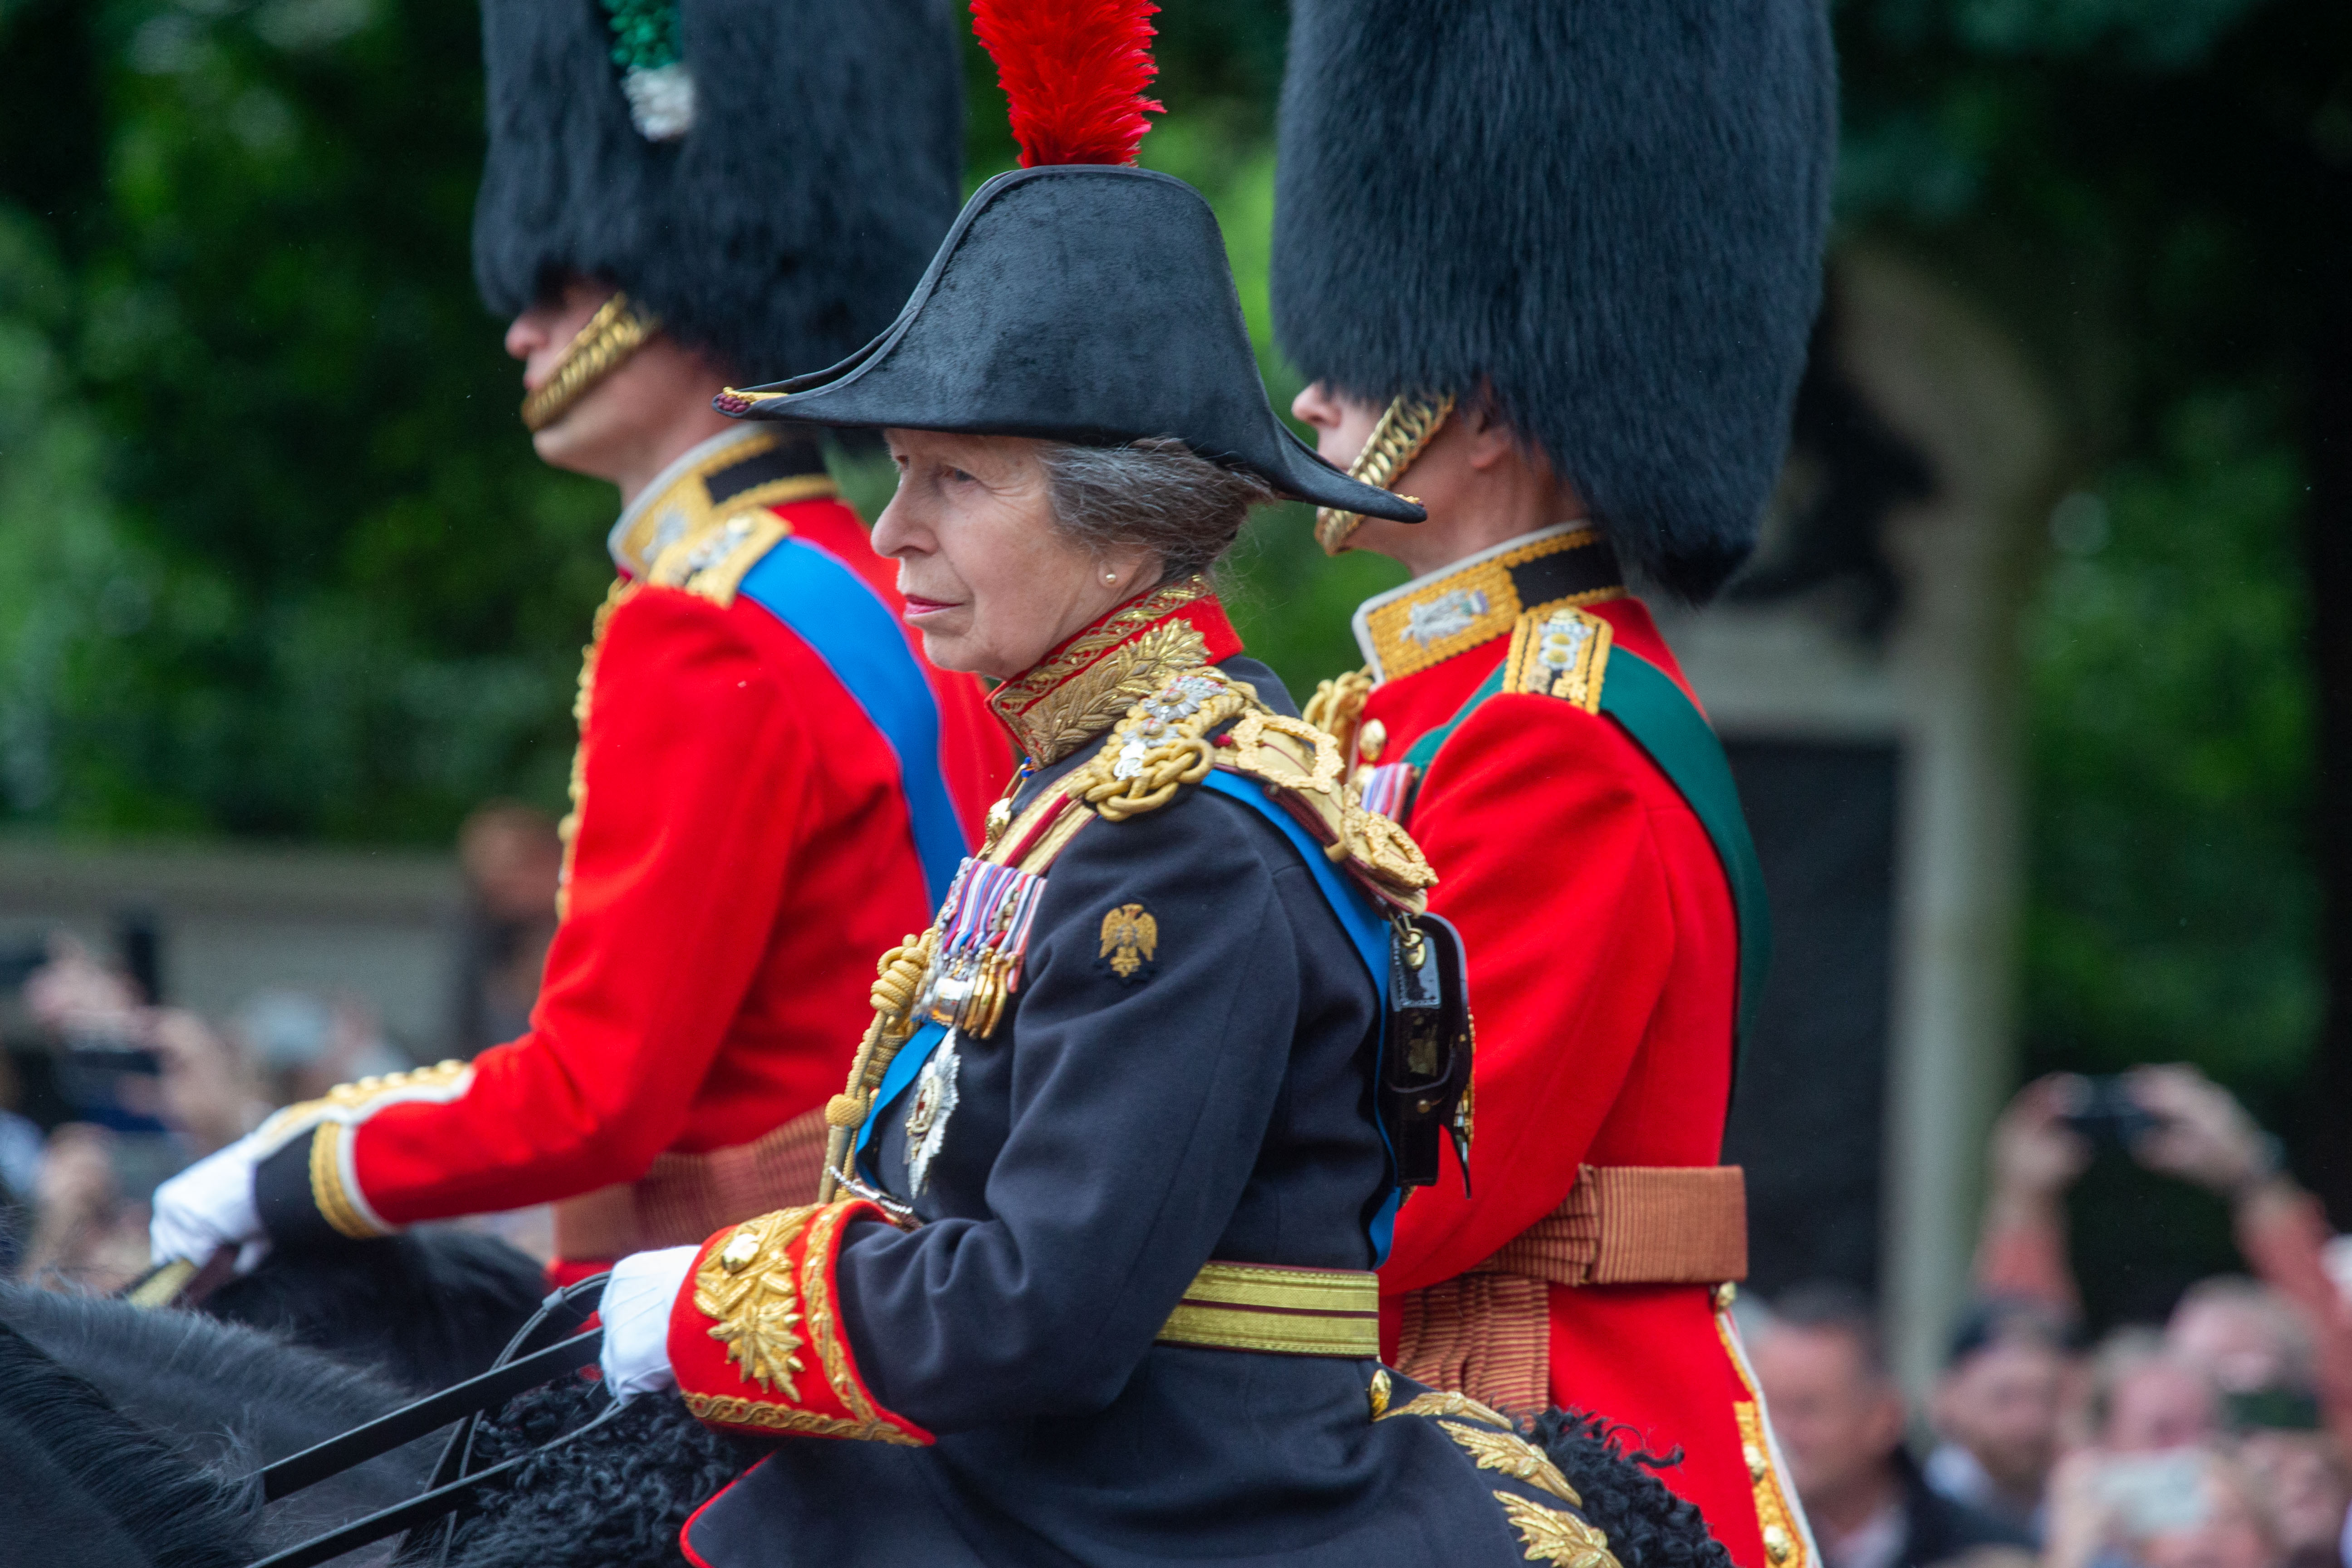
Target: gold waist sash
{"points": [[1278, 1310]]}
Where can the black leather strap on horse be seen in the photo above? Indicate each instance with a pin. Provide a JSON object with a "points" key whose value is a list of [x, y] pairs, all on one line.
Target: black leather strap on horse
{"points": [[515, 1371], [410, 1422], [422, 1508]]}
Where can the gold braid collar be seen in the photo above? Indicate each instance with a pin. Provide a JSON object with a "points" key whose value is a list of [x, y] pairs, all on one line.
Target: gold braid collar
{"points": [[616, 331]]}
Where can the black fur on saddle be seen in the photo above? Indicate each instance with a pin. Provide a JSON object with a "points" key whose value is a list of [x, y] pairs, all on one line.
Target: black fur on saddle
{"points": [[619, 1497], [1647, 1525], [616, 1498], [88, 1485], [426, 1308]]}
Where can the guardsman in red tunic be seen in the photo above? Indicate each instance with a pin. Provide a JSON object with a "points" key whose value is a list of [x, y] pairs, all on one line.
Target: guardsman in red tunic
{"points": [[1553, 277], [771, 784]]}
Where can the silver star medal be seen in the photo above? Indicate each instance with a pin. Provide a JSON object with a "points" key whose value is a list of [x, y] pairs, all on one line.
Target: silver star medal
{"points": [[927, 1117]]}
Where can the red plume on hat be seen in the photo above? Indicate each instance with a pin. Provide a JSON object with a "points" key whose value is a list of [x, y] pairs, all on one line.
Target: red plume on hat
{"points": [[1073, 73]]}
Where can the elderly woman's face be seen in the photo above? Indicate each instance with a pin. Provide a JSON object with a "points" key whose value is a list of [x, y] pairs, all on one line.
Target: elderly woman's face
{"points": [[989, 580]]}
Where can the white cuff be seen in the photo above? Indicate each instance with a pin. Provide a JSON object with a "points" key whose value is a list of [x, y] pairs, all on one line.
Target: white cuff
{"points": [[635, 1312]]}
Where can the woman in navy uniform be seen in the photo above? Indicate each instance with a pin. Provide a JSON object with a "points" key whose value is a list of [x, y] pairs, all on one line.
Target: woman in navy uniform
{"points": [[1091, 1282]]}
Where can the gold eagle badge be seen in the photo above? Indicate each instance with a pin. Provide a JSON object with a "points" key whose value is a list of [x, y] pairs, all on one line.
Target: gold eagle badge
{"points": [[1129, 938]]}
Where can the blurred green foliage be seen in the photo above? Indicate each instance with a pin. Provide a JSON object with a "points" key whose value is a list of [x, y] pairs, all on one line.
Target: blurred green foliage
{"points": [[276, 557]]}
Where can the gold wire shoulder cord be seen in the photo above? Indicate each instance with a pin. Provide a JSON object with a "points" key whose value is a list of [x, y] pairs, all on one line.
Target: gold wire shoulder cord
{"points": [[1408, 425], [615, 331]]}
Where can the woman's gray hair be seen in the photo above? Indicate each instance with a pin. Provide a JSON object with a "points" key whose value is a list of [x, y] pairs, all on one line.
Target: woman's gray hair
{"points": [[1154, 494]]}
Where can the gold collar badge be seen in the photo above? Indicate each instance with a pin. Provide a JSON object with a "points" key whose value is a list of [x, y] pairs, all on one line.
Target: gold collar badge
{"points": [[1082, 690]]}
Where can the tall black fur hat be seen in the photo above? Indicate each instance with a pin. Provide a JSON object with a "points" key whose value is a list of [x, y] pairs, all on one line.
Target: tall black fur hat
{"points": [[1611, 214], [786, 223]]}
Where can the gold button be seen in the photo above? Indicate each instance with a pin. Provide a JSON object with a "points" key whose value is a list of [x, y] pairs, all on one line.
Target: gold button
{"points": [[1725, 1294], [1777, 1544], [1380, 1393], [1757, 1467], [740, 1249], [1372, 741]]}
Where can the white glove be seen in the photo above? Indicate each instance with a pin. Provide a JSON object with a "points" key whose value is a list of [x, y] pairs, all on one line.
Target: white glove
{"points": [[209, 1206], [635, 1313]]}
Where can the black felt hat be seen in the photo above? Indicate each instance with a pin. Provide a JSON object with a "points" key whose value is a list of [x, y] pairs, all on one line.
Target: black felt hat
{"points": [[1088, 303], [773, 211], [1609, 214]]}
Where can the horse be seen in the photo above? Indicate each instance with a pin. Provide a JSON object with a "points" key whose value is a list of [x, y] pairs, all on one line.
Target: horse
{"points": [[426, 1308], [131, 1437]]}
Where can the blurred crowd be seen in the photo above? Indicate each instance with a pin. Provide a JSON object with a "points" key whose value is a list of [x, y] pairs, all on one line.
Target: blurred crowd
{"points": [[131, 1090], [2217, 1439]]}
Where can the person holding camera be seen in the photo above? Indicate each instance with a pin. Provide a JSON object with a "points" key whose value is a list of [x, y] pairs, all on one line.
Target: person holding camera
{"points": [[2292, 1329]]}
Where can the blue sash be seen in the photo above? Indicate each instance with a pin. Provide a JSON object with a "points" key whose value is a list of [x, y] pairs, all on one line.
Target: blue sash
{"points": [[1365, 928], [848, 626]]}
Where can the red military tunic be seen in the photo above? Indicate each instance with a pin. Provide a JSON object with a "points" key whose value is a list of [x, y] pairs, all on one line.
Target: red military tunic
{"points": [[1603, 960], [739, 851]]}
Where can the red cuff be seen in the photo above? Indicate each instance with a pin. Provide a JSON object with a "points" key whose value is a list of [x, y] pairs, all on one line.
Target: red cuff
{"points": [[756, 1338]]}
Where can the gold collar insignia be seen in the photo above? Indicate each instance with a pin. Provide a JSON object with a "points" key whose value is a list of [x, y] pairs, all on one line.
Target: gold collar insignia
{"points": [[1087, 684], [743, 470], [1475, 601]]}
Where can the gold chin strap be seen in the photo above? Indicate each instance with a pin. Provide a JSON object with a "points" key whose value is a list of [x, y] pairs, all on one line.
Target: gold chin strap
{"points": [[616, 331], [1411, 421]]}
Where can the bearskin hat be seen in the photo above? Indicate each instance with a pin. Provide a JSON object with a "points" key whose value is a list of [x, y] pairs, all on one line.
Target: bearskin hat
{"points": [[772, 203], [1607, 217]]}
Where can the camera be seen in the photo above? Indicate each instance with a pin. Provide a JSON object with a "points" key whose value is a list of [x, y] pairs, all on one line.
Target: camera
{"points": [[2108, 1114]]}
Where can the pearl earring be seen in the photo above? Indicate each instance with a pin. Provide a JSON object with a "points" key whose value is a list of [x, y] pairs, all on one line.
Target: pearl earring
{"points": [[1110, 577]]}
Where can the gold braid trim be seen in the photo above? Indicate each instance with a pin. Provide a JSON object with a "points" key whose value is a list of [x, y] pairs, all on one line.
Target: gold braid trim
{"points": [[568, 830], [732, 1410], [1409, 424], [831, 1349], [615, 331], [334, 1205], [1337, 707], [1061, 725], [898, 977]]}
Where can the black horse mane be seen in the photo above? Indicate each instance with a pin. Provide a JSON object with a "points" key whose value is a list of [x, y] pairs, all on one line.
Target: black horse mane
{"points": [[225, 1399], [616, 1499], [172, 1511], [426, 1308], [1647, 1525]]}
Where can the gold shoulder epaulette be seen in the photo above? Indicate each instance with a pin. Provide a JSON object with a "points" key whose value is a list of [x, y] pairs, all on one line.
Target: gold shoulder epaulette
{"points": [[1301, 765], [1164, 743], [711, 564], [1559, 652]]}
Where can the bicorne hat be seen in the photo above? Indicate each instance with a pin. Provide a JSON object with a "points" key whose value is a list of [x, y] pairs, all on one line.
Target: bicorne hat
{"points": [[1606, 217], [1076, 298], [767, 177]]}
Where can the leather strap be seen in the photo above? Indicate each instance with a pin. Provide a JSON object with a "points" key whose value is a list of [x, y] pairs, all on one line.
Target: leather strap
{"points": [[1281, 1311], [1637, 1224], [685, 1198]]}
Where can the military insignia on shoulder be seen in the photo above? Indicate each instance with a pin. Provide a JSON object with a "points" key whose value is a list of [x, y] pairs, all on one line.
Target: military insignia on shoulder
{"points": [[711, 564], [1130, 937], [1561, 652]]}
